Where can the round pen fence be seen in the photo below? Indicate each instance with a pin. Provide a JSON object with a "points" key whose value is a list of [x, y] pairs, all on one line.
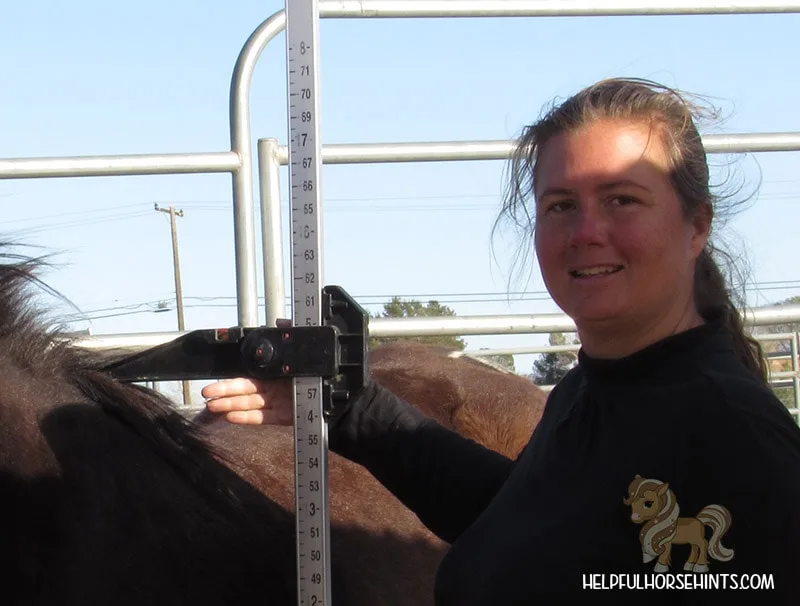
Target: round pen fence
{"points": [[240, 163]]}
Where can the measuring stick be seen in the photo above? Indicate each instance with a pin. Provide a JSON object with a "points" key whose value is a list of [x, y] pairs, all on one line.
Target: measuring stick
{"points": [[311, 439]]}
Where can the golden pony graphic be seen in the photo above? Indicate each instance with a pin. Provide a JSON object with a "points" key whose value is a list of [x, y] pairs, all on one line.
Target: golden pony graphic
{"points": [[654, 505]]}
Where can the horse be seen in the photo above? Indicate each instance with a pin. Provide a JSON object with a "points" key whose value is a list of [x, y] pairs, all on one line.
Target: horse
{"points": [[495, 408], [108, 495], [481, 400], [111, 496]]}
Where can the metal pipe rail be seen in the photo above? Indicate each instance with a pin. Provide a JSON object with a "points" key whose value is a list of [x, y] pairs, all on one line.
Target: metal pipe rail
{"points": [[407, 327], [442, 151], [544, 8], [106, 166], [499, 351], [432, 326], [272, 154], [239, 160]]}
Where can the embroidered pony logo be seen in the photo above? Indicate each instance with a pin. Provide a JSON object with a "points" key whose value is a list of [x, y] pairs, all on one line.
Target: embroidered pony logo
{"points": [[653, 504]]}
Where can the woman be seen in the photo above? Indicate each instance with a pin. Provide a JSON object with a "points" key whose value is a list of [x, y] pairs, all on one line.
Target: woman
{"points": [[664, 450]]}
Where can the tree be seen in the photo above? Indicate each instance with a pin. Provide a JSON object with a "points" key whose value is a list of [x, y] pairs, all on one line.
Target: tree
{"points": [[398, 308], [552, 366], [504, 360]]}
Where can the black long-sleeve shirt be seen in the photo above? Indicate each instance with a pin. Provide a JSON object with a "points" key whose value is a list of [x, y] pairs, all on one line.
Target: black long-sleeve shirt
{"points": [[681, 421]]}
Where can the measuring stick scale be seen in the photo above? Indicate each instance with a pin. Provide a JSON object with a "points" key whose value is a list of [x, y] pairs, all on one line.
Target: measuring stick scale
{"points": [[311, 439]]}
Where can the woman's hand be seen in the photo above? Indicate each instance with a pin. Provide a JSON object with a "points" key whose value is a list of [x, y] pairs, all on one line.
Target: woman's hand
{"points": [[251, 401]]}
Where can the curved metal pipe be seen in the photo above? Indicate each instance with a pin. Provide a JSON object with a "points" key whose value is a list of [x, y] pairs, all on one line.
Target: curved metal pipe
{"points": [[241, 143], [243, 188]]}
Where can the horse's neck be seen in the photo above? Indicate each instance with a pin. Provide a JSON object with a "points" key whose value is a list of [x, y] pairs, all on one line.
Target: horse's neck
{"points": [[27, 399]]}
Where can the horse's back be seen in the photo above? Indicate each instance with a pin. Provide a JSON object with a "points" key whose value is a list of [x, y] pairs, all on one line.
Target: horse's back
{"points": [[387, 556], [495, 408]]}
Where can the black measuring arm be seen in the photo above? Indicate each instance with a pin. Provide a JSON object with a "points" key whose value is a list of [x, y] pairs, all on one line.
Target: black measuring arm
{"points": [[335, 351]]}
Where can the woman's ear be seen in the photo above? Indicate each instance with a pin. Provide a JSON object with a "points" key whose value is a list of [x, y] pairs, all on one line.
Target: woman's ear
{"points": [[701, 227]]}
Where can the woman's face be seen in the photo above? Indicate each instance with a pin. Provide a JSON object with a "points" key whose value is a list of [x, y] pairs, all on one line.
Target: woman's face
{"points": [[614, 247]]}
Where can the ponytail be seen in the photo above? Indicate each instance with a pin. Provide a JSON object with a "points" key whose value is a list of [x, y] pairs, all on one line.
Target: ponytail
{"points": [[714, 303]]}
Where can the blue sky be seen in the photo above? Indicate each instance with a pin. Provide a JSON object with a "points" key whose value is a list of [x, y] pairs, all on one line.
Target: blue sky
{"points": [[91, 78]]}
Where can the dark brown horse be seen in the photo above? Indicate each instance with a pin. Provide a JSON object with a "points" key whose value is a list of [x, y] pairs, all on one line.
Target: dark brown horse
{"points": [[495, 408], [109, 496]]}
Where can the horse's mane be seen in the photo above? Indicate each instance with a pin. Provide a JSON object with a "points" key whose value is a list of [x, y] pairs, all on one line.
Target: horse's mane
{"points": [[661, 528], [31, 342]]}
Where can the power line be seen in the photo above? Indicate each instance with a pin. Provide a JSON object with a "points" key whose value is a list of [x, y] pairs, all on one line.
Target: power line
{"points": [[77, 212], [82, 223], [228, 302], [227, 205]]}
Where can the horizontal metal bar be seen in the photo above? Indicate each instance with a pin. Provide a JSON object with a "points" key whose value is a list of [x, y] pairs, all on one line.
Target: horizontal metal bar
{"points": [[542, 8], [378, 327], [531, 324], [516, 351], [106, 166], [783, 336], [230, 162], [774, 314], [443, 151], [751, 142], [471, 325], [437, 326], [433, 151], [126, 341], [787, 374]]}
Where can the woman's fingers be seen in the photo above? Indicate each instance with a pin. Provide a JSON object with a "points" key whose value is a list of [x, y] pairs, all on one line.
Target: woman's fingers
{"points": [[251, 402], [255, 402], [231, 387], [264, 416]]}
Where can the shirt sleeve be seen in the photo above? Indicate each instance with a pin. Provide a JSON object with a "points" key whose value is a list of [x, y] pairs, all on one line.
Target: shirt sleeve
{"points": [[447, 480]]}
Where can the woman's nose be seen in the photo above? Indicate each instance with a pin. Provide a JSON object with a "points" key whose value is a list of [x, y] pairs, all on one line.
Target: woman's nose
{"points": [[588, 227]]}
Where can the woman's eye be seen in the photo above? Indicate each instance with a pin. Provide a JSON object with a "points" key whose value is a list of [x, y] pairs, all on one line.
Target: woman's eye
{"points": [[559, 207], [623, 200]]}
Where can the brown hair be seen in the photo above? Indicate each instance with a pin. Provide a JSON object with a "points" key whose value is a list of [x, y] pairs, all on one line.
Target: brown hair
{"points": [[674, 117]]}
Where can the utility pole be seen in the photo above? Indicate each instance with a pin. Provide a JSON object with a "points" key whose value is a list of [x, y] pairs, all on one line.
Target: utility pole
{"points": [[187, 396]]}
